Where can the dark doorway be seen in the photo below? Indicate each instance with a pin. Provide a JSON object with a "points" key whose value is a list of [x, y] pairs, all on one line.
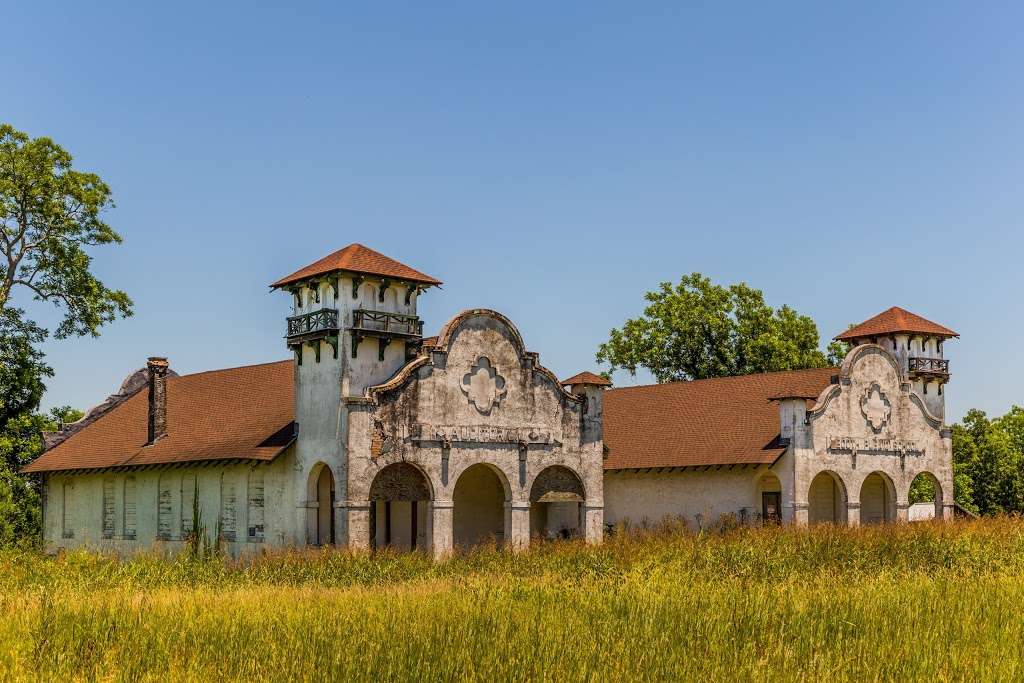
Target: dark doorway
{"points": [[771, 507]]}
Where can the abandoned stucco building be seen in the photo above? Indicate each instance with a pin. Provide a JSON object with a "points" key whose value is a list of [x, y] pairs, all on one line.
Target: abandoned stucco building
{"points": [[372, 435]]}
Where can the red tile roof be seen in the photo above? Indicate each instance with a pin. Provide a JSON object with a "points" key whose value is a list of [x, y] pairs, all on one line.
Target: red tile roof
{"points": [[355, 258], [893, 321], [219, 415], [586, 377], [725, 421], [247, 413]]}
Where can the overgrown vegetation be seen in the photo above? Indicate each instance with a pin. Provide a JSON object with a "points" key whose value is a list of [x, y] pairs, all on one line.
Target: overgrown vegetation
{"points": [[906, 602]]}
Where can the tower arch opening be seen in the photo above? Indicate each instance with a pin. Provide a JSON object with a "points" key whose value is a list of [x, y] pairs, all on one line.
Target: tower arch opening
{"points": [[400, 498], [826, 499], [877, 499], [320, 517], [481, 509], [557, 499], [926, 497]]}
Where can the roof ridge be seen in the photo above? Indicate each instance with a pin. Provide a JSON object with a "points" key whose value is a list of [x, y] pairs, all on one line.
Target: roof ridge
{"points": [[235, 367], [705, 380]]}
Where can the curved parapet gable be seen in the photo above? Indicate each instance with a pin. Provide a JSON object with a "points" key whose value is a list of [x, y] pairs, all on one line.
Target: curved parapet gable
{"points": [[441, 348]]}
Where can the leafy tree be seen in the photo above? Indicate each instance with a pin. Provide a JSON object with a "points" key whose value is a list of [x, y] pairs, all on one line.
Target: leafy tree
{"points": [[49, 214], [697, 330], [22, 369], [21, 442]]}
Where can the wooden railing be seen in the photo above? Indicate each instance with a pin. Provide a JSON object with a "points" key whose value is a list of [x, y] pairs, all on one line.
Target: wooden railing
{"points": [[325, 320], [929, 366], [381, 323]]}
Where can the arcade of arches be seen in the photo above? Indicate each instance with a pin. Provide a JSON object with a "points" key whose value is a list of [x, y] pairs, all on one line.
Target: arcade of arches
{"points": [[828, 500], [402, 510]]}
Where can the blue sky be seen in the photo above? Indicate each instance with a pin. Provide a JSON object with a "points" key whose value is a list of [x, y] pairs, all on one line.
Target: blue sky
{"points": [[550, 160]]}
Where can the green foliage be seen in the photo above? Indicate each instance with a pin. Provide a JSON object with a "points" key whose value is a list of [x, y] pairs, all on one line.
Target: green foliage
{"points": [[988, 462], [697, 329], [22, 370], [21, 442], [922, 602], [49, 214]]}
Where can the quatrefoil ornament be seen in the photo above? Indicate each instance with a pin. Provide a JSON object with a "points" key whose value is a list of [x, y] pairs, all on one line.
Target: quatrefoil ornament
{"points": [[876, 408], [483, 386]]}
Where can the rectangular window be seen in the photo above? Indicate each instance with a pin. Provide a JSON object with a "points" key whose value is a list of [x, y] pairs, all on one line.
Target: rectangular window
{"points": [[164, 509], [227, 507], [130, 511], [256, 504], [67, 528], [189, 493], [108, 507]]}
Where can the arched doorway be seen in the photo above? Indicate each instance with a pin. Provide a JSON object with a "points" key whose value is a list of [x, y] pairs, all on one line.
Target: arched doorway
{"points": [[556, 503], [925, 497], [769, 498], [479, 514], [877, 499], [321, 493], [399, 507], [826, 499]]}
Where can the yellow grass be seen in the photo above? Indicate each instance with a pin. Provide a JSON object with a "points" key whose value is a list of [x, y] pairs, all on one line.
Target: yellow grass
{"points": [[928, 602]]}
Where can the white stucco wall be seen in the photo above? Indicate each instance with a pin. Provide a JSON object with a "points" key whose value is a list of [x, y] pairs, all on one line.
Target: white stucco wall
{"points": [[84, 504], [700, 498]]}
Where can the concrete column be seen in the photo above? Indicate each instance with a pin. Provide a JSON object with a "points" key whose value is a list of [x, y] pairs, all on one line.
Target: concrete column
{"points": [[593, 523], [519, 524], [853, 514], [902, 511], [442, 539], [356, 522], [947, 511], [800, 517], [307, 521]]}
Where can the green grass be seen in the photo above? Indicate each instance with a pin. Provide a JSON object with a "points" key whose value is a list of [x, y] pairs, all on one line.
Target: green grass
{"points": [[921, 602]]}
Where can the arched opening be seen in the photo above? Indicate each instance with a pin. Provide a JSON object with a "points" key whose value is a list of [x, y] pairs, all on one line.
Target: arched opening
{"points": [[399, 506], [925, 497], [770, 498], [479, 514], [321, 521], [877, 499], [556, 503], [826, 500]]}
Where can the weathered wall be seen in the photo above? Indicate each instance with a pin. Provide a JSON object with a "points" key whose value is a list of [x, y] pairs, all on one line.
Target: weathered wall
{"points": [[700, 498], [479, 397], [84, 504], [871, 421]]}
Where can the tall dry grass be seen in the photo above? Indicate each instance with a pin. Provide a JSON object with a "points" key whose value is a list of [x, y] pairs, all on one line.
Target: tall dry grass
{"points": [[921, 602]]}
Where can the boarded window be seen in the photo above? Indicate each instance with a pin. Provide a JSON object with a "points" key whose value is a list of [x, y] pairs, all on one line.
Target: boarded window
{"points": [[189, 492], [67, 530], [256, 504], [130, 510], [108, 507], [228, 500], [164, 509]]}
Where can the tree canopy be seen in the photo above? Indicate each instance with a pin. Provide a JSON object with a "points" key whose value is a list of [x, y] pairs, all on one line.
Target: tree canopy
{"points": [[49, 214], [698, 329], [988, 462]]}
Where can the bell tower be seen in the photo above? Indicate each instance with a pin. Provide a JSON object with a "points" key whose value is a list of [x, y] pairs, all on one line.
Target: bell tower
{"points": [[353, 324], [918, 346]]}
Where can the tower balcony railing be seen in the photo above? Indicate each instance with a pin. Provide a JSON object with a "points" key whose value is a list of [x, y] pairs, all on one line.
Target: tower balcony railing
{"points": [[312, 325], [366, 322], [931, 367]]}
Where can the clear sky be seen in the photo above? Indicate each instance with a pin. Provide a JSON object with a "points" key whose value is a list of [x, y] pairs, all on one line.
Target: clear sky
{"points": [[550, 160]]}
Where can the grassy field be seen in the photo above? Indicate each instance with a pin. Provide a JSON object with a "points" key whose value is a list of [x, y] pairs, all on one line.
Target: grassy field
{"points": [[922, 602]]}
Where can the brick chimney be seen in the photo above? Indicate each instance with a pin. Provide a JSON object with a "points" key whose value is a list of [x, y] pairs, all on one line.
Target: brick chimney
{"points": [[157, 368]]}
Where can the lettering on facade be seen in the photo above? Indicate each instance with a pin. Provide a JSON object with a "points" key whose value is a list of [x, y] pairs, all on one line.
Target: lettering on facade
{"points": [[482, 434], [874, 446]]}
